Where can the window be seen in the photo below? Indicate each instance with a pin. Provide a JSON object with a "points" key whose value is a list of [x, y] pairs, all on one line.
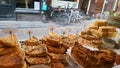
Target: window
{"points": [[25, 3], [69, 0], [4, 1]]}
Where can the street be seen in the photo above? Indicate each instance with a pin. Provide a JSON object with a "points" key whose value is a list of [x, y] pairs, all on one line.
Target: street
{"points": [[38, 28]]}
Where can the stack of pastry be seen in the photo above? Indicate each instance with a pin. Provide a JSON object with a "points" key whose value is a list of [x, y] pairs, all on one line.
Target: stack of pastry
{"points": [[69, 40], [55, 50], [91, 37], [90, 57], [104, 29], [11, 56], [97, 24], [89, 50], [36, 52], [108, 31]]}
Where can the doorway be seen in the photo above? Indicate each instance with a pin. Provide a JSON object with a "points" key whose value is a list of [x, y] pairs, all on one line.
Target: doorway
{"points": [[84, 5]]}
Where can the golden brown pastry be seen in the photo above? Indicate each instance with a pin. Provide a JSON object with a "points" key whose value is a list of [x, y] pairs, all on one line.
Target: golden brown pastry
{"points": [[9, 41], [57, 56], [12, 60], [53, 41], [93, 58], [57, 50], [57, 65], [86, 32], [11, 56], [37, 50], [117, 60], [89, 37], [68, 41], [94, 27], [38, 60], [100, 23], [32, 41], [6, 50], [107, 29]]}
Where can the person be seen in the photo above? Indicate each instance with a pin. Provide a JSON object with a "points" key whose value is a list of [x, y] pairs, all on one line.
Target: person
{"points": [[43, 11], [44, 5], [46, 10]]}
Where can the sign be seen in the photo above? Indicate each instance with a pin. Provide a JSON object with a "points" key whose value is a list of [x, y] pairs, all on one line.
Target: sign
{"points": [[37, 5]]}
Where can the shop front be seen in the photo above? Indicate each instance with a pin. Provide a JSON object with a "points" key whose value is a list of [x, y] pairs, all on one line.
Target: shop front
{"points": [[14, 8]]}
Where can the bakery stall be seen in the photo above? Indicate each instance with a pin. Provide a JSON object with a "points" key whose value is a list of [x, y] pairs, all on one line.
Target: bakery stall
{"points": [[95, 46]]}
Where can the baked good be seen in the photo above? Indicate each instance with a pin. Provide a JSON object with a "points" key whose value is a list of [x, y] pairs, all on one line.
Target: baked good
{"points": [[93, 27], [52, 40], [86, 32], [107, 29], [57, 65], [90, 37], [32, 41], [9, 41], [12, 60], [68, 41], [57, 56], [90, 57], [38, 60], [57, 50], [96, 33], [6, 50], [100, 23], [97, 24], [37, 50], [11, 56], [117, 60]]}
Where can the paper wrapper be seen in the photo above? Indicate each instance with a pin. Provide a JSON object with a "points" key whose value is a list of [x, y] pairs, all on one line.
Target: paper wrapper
{"points": [[71, 61]]}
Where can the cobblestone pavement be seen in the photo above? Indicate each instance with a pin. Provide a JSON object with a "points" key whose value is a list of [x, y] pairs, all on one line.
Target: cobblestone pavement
{"points": [[38, 28]]}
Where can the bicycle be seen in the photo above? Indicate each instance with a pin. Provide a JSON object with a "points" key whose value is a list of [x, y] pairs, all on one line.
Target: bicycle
{"points": [[66, 16], [69, 16], [44, 17]]}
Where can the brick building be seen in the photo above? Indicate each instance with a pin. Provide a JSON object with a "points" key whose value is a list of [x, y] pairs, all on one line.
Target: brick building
{"points": [[100, 6], [9, 8]]}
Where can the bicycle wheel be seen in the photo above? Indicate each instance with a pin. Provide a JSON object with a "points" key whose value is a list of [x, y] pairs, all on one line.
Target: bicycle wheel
{"points": [[63, 19], [44, 18]]}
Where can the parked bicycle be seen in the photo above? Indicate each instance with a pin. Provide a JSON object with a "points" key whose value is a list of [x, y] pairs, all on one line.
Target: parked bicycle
{"points": [[66, 16]]}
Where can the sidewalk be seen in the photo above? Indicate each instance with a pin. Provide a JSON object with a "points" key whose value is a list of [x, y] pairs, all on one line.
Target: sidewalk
{"points": [[36, 24]]}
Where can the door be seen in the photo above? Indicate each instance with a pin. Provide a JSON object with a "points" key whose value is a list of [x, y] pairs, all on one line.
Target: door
{"points": [[99, 6], [49, 2], [6, 8]]}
